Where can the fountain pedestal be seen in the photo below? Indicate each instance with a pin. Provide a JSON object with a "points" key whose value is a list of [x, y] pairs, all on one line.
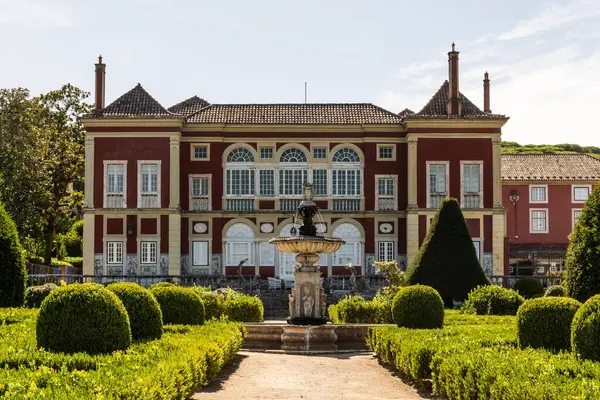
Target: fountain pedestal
{"points": [[307, 300]]}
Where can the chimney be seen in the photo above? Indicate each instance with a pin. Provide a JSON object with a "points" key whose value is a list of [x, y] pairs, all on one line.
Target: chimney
{"points": [[486, 93], [454, 104], [100, 83]]}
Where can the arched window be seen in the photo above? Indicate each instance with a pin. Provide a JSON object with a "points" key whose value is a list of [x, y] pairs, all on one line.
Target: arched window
{"points": [[293, 172], [351, 252], [239, 173], [239, 244], [347, 179]]}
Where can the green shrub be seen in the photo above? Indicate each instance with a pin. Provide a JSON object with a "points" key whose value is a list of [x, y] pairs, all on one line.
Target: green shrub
{"points": [[492, 300], [214, 304], [77, 262], [87, 318], [12, 264], [582, 264], [34, 295], [71, 243], [179, 305], [162, 284], [357, 310], [447, 260], [145, 317], [227, 293], [556, 291], [418, 306], [545, 322], [60, 263], [244, 308], [585, 330], [529, 287]]}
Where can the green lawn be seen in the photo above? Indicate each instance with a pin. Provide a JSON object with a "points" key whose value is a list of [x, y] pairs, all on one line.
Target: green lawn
{"points": [[173, 367], [476, 357]]}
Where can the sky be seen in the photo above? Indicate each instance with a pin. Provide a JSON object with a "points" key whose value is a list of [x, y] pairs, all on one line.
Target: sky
{"points": [[543, 57]]}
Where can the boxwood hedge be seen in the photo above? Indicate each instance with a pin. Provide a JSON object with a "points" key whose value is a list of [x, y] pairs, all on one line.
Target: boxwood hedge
{"points": [[34, 295], [492, 300], [179, 305], [145, 317], [585, 330], [418, 306]]}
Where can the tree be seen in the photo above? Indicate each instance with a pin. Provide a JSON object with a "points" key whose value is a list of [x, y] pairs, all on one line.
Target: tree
{"points": [[582, 266], [447, 260], [12, 265]]}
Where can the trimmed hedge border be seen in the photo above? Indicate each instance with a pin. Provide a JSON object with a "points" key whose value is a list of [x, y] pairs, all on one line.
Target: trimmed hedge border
{"points": [[357, 310]]}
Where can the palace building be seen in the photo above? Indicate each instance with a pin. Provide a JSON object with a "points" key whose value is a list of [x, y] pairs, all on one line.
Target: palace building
{"points": [[197, 188]]}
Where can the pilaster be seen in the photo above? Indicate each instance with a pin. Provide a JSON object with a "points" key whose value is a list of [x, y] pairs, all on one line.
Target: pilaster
{"points": [[88, 241], [497, 172], [174, 244], [88, 198], [412, 236], [412, 172], [174, 173], [498, 227]]}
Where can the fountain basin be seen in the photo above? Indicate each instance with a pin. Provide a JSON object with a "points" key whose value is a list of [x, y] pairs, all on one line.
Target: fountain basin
{"points": [[307, 244]]}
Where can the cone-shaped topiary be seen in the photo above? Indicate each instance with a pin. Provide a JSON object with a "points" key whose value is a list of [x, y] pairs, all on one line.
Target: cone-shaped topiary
{"points": [[419, 307], [585, 330], [83, 318], [145, 317], [447, 260], [12, 264], [556, 291], [582, 266], [179, 305], [545, 322]]}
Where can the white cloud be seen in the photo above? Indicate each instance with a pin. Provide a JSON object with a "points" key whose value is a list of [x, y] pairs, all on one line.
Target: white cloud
{"points": [[37, 14]]}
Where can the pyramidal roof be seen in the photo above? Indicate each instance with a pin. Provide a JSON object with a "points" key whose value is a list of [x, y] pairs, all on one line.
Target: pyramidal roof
{"points": [[137, 103], [189, 106], [437, 108]]}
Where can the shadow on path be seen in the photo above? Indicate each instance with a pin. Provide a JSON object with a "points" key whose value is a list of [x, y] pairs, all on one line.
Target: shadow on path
{"points": [[217, 383]]}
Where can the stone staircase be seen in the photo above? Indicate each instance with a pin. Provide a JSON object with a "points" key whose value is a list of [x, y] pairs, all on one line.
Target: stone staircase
{"points": [[275, 303]]}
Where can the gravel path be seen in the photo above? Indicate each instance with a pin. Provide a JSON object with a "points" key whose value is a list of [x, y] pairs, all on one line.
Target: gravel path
{"points": [[255, 375]]}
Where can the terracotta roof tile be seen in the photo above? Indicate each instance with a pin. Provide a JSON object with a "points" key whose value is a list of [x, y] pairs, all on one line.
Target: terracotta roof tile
{"points": [[137, 103], [437, 108], [406, 111], [298, 114], [550, 167], [189, 106]]}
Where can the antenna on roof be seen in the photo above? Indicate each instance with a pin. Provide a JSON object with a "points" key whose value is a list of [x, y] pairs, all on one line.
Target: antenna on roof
{"points": [[305, 91]]}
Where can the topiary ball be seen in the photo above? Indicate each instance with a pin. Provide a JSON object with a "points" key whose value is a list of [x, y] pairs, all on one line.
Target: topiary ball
{"points": [[545, 322], [556, 291], [244, 308], [585, 330], [213, 304], [418, 306], [179, 305], [145, 317], [492, 300], [529, 287], [34, 295], [83, 318]]}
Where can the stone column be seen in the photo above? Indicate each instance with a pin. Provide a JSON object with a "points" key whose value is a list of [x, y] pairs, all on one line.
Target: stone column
{"points": [[89, 220], [412, 236], [174, 212], [497, 173], [174, 243], [498, 234], [412, 172], [89, 173], [174, 173], [412, 216]]}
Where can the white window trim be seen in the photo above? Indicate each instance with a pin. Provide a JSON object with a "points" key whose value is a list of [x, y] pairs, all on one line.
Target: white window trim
{"points": [[480, 241], [123, 252], [158, 180], [383, 145], [240, 166], [538, 201], [349, 167], [573, 211], [190, 180], [395, 178], [262, 262], [462, 181], [312, 153], [259, 153], [427, 183], [139, 249], [531, 210], [208, 253], [573, 193], [105, 186], [394, 248], [258, 181], [192, 152]]}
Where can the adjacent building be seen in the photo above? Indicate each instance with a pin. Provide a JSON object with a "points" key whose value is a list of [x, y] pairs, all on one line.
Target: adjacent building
{"points": [[198, 188]]}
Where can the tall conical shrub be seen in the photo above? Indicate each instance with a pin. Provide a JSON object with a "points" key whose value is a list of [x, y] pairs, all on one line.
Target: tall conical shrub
{"points": [[582, 266], [12, 264], [447, 260]]}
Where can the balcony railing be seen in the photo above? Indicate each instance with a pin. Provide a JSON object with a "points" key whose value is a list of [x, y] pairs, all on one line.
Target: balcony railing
{"points": [[346, 204], [199, 204], [115, 201], [435, 200], [386, 204], [239, 204], [289, 204], [471, 201], [149, 200]]}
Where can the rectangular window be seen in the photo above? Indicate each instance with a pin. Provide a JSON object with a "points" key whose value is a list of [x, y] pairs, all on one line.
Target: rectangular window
{"points": [[386, 193], [539, 220], [538, 194], [149, 184], [115, 177], [200, 254], [386, 153], [320, 153], [266, 153], [148, 252], [386, 251], [199, 187], [438, 185], [346, 182], [581, 193], [114, 252], [267, 254], [200, 152], [291, 181], [576, 214], [240, 182], [320, 182], [385, 187], [149, 178], [471, 175], [267, 182], [237, 251]]}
